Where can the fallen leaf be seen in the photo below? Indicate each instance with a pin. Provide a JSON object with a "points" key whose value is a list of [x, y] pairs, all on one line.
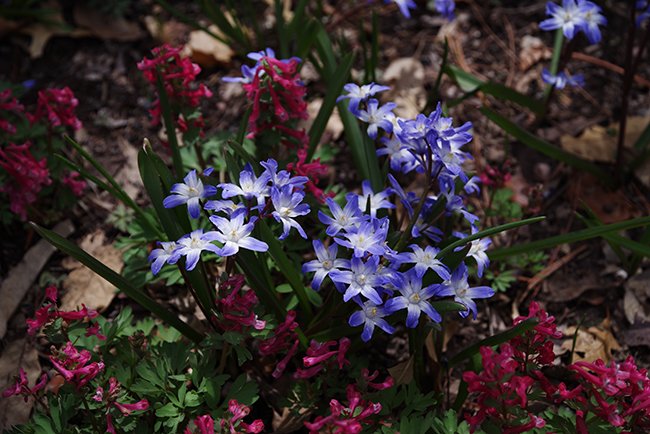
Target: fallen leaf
{"points": [[637, 336], [206, 50], [610, 206], [18, 354], [532, 51], [565, 286], [166, 31], [635, 301], [594, 343], [82, 285], [22, 276], [129, 175], [104, 26], [402, 373], [334, 127], [598, 143], [406, 77]]}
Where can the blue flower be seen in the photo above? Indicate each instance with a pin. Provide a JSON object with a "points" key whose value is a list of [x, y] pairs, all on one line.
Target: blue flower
{"points": [[368, 199], [413, 298], [645, 14], [362, 278], [404, 6], [282, 178], [369, 237], [425, 259], [234, 234], [250, 186], [377, 117], [287, 205], [325, 263], [570, 17], [357, 94], [463, 294], [400, 159], [247, 72], [561, 80], [346, 219], [445, 8], [226, 206], [592, 20], [370, 315], [158, 257], [189, 192], [407, 199], [191, 246], [477, 251]]}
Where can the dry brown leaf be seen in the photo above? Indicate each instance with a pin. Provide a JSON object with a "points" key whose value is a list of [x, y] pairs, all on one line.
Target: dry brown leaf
{"points": [[166, 31], [406, 76], [532, 51], [105, 26], [206, 50], [592, 344], [22, 276], [18, 354], [334, 127], [635, 301], [402, 373], [82, 285], [610, 206], [598, 143], [129, 175]]}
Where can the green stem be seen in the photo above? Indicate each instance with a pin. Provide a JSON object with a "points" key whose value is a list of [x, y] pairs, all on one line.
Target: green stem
{"points": [[170, 126], [555, 63]]}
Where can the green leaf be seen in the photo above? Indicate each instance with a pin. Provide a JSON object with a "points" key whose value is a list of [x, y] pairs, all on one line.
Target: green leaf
{"points": [[167, 410], [486, 233], [119, 282], [497, 339], [543, 146], [571, 237]]}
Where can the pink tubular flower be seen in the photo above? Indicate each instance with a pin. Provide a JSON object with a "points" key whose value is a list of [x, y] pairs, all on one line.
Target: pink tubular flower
{"points": [[177, 74], [369, 378], [57, 106], [345, 420], [235, 423], [313, 170], [235, 306], [110, 398], [204, 423], [73, 365], [318, 354], [284, 339], [10, 104], [74, 183], [126, 409], [27, 177]]}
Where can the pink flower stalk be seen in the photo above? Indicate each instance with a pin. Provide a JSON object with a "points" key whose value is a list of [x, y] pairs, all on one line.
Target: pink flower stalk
{"points": [[76, 184], [73, 365], [496, 177], [57, 106], [284, 338], [178, 75], [235, 424], [534, 345], [21, 387], [27, 177], [369, 378], [235, 306], [313, 170], [10, 104], [318, 354], [348, 419], [110, 399], [204, 423], [278, 98], [95, 330]]}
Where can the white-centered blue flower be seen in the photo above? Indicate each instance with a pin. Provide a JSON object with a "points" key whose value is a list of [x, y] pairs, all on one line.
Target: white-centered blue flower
{"points": [[325, 263], [477, 250], [250, 186], [282, 178], [368, 199], [158, 257], [562, 79], [445, 7], [287, 205], [356, 94], [191, 246], [362, 278], [345, 219], [226, 206], [404, 6], [369, 237], [189, 192], [234, 233], [413, 298], [569, 17], [458, 286], [424, 260], [377, 117], [593, 19], [370, 315]]}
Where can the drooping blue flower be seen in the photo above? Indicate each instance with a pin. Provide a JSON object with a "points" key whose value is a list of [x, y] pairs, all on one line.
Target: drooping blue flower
{"points": [[362, 278], [562, 79], [445, 8], [287, 205], [472, 185], [158, 257], [191, 246], [404, 6], [377, 117], [370, 315], [357, 94], [345, 219], [593, 19], [189, 192], [369, 237], [250, 186], [570, 17], [325, 263], [235, 234], [463, 294], [413, 298]]}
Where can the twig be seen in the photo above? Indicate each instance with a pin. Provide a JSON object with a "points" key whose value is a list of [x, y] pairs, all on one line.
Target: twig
{"points": [[609, 66]]}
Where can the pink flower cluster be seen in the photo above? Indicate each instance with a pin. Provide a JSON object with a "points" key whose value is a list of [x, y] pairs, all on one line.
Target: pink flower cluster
{"points": [[57, 106], [278, 98], [235, 306], [312, 170], [49, 312], [10, 104], [319, 355], [21, 386], [74, 183], [345, 419], [177, 75], [110, 399], [75, 366], [618, 393], [232, 424], [284, 338], [27, 176]]}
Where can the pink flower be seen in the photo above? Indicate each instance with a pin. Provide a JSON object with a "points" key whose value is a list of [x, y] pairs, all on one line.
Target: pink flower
{"points": [[10, 104], [21, 386], [348, 419], [126, 409], [94, 330], [313, 171], [74, 183], [235, 306], [284, 338], [369, 378], [57, 106], [319, 353], [74, 367]]}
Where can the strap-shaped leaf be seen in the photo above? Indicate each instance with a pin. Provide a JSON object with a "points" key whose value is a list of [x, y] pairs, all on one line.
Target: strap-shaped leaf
{"points": [[119, 282]]}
